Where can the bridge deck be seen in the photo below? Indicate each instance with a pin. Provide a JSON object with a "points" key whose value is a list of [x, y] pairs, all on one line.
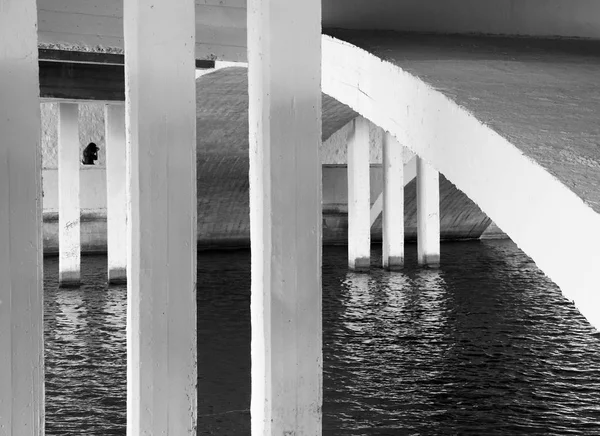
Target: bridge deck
{"points": [[542, 95]]}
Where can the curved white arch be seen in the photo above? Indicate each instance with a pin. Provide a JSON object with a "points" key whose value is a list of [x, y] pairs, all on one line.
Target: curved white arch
{"points": [[542, 216]]}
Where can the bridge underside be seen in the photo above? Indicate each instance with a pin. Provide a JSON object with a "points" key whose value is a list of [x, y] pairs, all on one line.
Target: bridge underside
{"points": [[223, 197], [511, 121]]}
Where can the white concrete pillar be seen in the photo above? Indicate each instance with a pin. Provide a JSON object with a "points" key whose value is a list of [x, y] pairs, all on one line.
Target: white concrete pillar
{"points": [[160, 92], [116, 207], [284, 53], [393, 203], [428, 214], [69, 161], [359, 197], [21, 310]]}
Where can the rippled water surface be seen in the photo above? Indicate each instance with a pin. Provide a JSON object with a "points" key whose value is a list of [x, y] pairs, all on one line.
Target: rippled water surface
{"points": [[484, 345]]}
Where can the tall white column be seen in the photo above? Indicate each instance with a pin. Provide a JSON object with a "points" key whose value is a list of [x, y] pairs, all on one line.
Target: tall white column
{"points": [[69, 161], [160, 94], [116, 207], [393, 203], [21, 310], [359, 197], [428, 214], [284, 53]]}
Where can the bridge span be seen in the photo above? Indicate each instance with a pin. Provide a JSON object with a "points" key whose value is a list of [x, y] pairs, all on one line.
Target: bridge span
{"points": [[512, 122]]}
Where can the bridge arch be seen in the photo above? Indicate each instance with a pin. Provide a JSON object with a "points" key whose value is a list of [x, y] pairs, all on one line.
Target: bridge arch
{"points": [[552, 224]]}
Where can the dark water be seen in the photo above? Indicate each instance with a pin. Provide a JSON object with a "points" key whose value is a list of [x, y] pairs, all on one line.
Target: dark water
{"points": [[485, 345]]}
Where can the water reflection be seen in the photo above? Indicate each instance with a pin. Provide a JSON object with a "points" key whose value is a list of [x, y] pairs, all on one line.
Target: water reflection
{"points": [[483, 345], [85, 353]]}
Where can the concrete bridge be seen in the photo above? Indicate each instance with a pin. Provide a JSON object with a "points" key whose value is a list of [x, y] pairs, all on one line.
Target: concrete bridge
{"points": [[511, 121]]}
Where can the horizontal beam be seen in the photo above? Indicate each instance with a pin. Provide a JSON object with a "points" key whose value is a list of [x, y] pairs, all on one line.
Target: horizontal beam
{"points": [[76, 75], [82, 81], [86, 57], [89, 57]]}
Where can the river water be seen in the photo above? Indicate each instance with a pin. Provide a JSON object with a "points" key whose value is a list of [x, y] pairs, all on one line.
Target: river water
{"points": [[484, 345]]}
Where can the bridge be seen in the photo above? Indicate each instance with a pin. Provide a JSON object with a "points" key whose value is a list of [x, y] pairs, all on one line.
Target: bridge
{"points": [[500, 97]]}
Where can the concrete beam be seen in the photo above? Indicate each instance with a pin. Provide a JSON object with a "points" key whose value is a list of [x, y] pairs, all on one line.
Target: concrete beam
{"points": [[69, 161], [284, 51], [75, 75], [428, 214], [161, 226], [21, 277], [116, 204], [82, 81], [359, 197]]}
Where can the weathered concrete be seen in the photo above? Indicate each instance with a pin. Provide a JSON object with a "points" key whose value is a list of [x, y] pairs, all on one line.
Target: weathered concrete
{"points": [[69, 266], [284, 53], [359, 201], [428, 214], [447, 99], [393, 203], [21, 275], [116, 206], [161, 220]]}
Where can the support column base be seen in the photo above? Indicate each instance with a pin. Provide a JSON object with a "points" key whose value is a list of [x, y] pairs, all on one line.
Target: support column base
{"points": [[69, 279], [117, 276], [394, 263], [360, 264], [430, 260]]}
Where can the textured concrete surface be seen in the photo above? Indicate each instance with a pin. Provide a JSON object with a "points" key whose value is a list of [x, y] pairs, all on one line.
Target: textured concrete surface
{"points": [[574, 18], [91, 129], [222, 112], [222, 170], [542, 95]]}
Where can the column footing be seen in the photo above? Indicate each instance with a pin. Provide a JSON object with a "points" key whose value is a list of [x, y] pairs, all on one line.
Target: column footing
{"points": [[117, 276], [69, 283], [360, 264], [431, 261], [395, 263]]}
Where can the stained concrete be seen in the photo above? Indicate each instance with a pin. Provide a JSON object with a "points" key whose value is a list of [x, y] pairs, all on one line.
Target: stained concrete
{"points": [[542, 95]]}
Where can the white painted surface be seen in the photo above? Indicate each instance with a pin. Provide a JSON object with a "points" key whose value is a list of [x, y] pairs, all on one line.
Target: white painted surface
{"points": [[528, 206], [69, 263], [285, 216], [410, 172], [359, 201], [161, 227], [393, 203], [116, 206], [21, 309], [428, 214]]}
